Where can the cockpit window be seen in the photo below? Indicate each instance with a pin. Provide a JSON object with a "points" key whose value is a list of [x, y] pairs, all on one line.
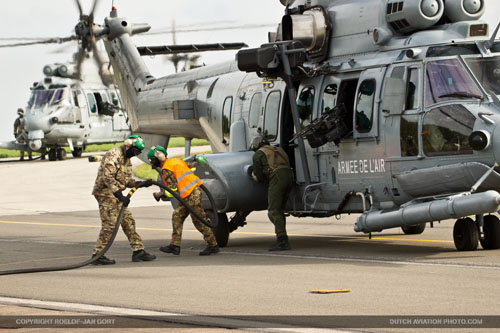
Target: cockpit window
{"points": [[487, 72], [42, 98], [448, 80], [446, 130]]}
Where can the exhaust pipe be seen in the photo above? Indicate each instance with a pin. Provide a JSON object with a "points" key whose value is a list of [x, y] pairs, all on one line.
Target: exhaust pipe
{"points": [[436, 210]]}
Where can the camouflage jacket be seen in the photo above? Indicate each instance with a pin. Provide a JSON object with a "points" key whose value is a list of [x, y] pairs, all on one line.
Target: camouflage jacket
{"points": [[18, 128], [115, 173]]}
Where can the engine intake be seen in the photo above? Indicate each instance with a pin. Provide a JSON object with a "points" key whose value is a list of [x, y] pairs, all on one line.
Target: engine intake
{"points": [[312, 29], [405, 16]]}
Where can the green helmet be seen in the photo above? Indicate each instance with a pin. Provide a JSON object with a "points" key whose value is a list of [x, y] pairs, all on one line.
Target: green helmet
{"points": [[152, 151], [137, 141]]}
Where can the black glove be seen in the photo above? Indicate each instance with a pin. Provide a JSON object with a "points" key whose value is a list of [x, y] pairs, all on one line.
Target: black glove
{"points": [[143, 183], [122, 198]]}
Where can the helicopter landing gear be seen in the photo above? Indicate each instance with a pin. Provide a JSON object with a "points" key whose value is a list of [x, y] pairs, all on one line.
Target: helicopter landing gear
{"points": [[77, 152], [491, 229], [221, 231], [52, 154], [61, 154], [465, 234], [416, 229]]}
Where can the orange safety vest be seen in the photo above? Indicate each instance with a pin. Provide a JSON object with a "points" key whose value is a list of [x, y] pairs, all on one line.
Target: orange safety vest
{"points": [[186, 179]]}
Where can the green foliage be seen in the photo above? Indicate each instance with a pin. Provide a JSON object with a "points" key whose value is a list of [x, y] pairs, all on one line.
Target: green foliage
{"points": [[144, 171], [174, 142]]}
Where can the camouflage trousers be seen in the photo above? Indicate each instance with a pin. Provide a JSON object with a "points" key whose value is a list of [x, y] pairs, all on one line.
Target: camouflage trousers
{"points": [[109, 207], [180, 214], [279, 189]]}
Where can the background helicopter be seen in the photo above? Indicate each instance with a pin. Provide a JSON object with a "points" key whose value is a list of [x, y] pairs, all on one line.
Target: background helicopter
{"points": [[74, 105], [46, 50], [395, 117]]}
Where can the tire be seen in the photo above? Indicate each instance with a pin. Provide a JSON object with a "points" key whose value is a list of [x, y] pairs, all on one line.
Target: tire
{"points": [[221, 231], [52, 154], [416, 229], [61, 154], [491, 230], [465, 235], [77, 152]]}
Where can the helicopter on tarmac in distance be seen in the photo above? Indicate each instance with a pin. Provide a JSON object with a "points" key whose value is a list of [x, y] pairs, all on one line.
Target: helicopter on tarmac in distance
{"points": [[72, 106], [387, 108]]}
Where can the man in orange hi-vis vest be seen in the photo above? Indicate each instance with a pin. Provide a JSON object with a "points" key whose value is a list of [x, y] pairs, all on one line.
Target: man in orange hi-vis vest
{"points": [[177, 174]]}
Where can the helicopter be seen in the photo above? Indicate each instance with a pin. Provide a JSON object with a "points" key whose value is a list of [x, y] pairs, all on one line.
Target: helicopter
{"points": [[387, 109], [71, 106]]}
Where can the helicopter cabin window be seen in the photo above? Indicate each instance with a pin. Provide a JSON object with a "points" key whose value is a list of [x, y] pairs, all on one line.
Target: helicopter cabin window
{"points": [[448, 80], [254, 115], [75, 97], [329, 98], [272, 115], [364, 106], [305, 103], [114, 99], [409, 135], [487, 72], [446, 131], [226, 119], [92, 103], [412, 90]]}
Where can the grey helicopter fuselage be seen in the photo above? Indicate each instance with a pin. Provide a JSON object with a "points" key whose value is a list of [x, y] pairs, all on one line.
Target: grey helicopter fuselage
{"points": [[417, 82], [66, 111]]}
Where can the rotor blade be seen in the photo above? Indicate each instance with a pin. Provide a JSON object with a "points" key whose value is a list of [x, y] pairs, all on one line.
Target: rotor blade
{"points": [[79, 61], [174, 49], [46, 41], [79, 7], [93, 9], [187, 29], [97, 57]]}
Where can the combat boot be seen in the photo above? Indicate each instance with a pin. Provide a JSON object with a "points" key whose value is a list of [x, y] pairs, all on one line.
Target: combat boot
{"points": [[174, 249], [103, 261], [141, 255], [282, 244], [209, 250]]}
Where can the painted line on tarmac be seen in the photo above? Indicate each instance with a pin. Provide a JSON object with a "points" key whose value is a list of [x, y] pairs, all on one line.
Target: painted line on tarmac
{"points": [[359, 238], [199, 321], [368, 260]]}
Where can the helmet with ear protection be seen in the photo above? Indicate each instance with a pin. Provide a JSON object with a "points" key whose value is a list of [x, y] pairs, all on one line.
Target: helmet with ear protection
{"points": [[154, 151], [136, 141]]}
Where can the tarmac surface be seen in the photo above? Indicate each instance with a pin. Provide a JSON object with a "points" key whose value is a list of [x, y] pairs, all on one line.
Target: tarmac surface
{"points": [[48, 217]]}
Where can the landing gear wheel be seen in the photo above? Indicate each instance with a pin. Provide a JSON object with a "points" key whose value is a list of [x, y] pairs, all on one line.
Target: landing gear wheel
{"points": [[416, 229], [465, 235], [221, 231], [61, 154], [491, 230], [77, 152], [52, 154]]}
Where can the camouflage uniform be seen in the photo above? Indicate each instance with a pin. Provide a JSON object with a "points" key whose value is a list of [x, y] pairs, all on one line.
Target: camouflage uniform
{"points": [[181, 212], [280, 180], [115, 174], [21, 136]]}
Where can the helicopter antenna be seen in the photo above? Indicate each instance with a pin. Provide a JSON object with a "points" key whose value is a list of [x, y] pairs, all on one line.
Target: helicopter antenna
{"points": [[490, 43]]}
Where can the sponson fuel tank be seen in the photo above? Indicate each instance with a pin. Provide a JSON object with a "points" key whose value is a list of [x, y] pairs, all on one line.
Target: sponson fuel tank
{"points": [[436, 210]]}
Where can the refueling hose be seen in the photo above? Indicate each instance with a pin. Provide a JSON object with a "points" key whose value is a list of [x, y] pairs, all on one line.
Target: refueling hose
{"points": [[115, 231]]}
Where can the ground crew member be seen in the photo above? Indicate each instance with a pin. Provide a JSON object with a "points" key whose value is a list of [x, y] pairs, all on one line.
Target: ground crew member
{"points": [[177, 174], [114, 176], [271, 166], [19, 133]]}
